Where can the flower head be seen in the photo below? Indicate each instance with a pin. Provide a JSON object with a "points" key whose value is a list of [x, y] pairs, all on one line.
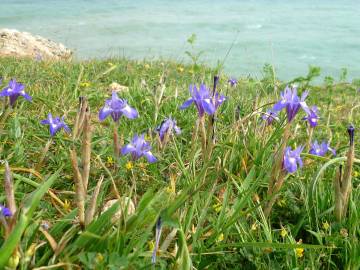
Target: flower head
{"points": [[232, 82], [270, 116], [138, 148], [313, 116], [321, 149], [13, 91], [292, 159], [55, 124], [158, 230], [351, 131], [202, 100], [168, 125], [219, 99], [292, 102], [4, 211], [116, 107]]}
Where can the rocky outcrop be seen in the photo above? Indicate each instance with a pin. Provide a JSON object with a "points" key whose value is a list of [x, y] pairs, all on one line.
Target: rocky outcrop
{"points": [[26, 45]]}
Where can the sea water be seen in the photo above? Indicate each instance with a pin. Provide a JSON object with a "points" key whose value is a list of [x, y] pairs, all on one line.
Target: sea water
{"points": [[291, 35]]}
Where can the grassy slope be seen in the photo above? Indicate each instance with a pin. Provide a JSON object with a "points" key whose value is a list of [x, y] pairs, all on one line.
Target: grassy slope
{"points": [[219, 224]]}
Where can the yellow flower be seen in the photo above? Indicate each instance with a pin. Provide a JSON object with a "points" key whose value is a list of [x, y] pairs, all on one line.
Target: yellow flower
{"points": [[326, 225], [109, 161], [299, 252], [99, 257], [67, 206], [217, 207], [254, 226], [85, 84], [220, 238], [283, 232], [129, 165], [180, 69]]}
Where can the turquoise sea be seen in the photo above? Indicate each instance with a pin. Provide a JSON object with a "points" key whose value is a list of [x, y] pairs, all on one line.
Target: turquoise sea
{"points": [[291, 35]]}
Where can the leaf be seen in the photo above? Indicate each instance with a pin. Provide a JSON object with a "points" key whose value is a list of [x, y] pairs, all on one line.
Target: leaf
{"points": [[30, 205]]}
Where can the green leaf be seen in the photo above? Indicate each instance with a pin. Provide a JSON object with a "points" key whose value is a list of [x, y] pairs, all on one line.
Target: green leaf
{"points": [[29, 207]]}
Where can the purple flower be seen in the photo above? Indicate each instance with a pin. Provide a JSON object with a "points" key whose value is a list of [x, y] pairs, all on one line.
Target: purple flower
{"points": [[157, 239], [321, 149], [202, 100], [313, 116], [351, 131], [232, 82], [4, 211], [168, 125], [270, 116], [116, 107], [292, 159], [219, 99], [55, 124], [138, 148], [292, 102], [13, 91]]}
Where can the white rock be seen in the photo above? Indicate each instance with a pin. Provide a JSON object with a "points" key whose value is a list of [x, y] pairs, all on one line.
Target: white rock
{"points": [[26, 45]]}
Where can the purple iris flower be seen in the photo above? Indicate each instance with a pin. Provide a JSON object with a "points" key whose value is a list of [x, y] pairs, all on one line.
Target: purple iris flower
{"points": [[351, 131], [292, 159], [313, 116], [138, 148], [168, 125], [157, 239], [55, 124], [202, 100], [116, 107], [4, 211], [232, 82], [270, 116], [292, 102], [13, 91], [219, 99], [321, 149]]}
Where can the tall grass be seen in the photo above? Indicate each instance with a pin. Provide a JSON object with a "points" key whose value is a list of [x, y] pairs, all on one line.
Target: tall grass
{"points": [[211, 209]]}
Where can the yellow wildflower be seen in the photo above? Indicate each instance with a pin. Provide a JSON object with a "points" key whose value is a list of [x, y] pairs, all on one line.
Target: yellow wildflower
{"points": [[299, 252], [217, 207], [109, 161], [180, 69], [85, 84], [254, 226], [220, 238], [129, 165], [67, 205], [283, 232], [326, 225], [99, 257]]}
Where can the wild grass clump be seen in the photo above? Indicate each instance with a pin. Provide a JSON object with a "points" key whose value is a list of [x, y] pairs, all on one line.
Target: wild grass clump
{"points": [[113, 164]]}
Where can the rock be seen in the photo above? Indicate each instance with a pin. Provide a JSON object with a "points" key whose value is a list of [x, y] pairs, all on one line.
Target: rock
{"points": [[26, 45], [118, 87], [125, 203]]}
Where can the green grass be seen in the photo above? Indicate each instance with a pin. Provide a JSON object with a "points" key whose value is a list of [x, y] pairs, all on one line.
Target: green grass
{"points": [[210, 206]]}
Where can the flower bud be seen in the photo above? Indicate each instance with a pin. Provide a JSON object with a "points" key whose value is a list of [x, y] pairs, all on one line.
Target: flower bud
{"points": [[351, 130]]}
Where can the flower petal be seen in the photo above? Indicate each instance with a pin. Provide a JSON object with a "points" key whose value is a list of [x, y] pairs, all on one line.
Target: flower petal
{"points": [[208, 106], [150, 157], [104, 112], [186, 103]]}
